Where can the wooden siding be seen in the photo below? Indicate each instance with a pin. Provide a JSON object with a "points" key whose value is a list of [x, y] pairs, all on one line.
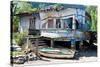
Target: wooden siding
{"points": [[25, 21]]}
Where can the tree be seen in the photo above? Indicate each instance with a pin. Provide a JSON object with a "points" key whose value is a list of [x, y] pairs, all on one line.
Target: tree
{"points": [[92, 10], [17, 8], [23, 7], [15, 24]]}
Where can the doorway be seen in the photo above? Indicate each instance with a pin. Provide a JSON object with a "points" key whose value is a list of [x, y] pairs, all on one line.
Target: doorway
{"points": [[32, 23]]}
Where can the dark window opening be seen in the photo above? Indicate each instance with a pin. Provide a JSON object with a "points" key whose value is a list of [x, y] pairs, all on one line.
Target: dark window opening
{"points": [[62, 44], [68, 23], [77, 24], [32, 23], [58, 23]]}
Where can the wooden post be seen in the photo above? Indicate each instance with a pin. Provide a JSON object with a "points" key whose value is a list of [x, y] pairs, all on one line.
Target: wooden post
{"points": [[80, 45], [51, 43], [73, 24], [73, 44], [27, 42], [37, 51], [36, 43]]}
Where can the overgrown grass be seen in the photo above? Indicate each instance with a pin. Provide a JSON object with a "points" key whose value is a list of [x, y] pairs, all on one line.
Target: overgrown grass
{"points": [[17, 53], [19, 38]]}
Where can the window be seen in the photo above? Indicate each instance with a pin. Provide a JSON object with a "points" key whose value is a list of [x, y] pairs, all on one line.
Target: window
{"points": [[77, 24], [44, 25], [70, 22], [50, 23], [58, 23], [67, 23]]}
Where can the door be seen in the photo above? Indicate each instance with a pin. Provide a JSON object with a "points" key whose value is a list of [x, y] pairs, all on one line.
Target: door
{"points": [[32, 23]]}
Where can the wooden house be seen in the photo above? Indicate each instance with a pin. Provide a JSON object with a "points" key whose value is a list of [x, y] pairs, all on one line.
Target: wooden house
{"points": [[66, 21]]}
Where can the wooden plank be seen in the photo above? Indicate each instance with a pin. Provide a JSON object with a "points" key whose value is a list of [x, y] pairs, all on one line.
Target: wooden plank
{"points": [[52, 43]]}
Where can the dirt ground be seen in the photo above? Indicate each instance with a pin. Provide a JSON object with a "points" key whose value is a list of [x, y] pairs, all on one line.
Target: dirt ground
{"points": [[83, 56]]}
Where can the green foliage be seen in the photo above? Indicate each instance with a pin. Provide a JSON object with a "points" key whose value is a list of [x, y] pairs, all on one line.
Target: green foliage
{"points": [[92, 10], [17, 53], [15, 23], [20, 7], [57, 5], [19, 38], [23, 7]]}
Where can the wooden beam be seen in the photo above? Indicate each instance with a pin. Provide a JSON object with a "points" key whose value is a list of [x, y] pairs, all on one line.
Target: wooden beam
{"points": [[51, 43], [37, 49], [27, 42], [74, 23], [36, 43], [73, 44]]}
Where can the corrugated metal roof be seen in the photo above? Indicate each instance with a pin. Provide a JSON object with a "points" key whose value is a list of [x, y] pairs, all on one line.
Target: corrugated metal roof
{"points": [[36, 4]]}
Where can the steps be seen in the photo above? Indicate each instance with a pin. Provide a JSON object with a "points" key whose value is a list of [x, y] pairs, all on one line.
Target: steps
{"points": [[40, 43]]}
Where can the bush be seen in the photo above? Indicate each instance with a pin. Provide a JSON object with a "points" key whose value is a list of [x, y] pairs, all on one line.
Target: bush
{"points": [[19, 38]]}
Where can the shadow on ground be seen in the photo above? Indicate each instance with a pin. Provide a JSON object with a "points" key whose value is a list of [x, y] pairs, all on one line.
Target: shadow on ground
{"points": [[89, 52]]}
